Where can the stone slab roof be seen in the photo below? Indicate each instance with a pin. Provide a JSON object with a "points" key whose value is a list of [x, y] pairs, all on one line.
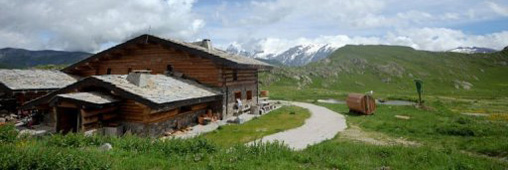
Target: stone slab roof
{"points": [[17, 79], [90, 97], [161, 89]]}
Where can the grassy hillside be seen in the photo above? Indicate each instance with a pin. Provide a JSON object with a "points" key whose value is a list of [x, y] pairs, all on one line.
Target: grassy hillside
{"points": [[21, 58], [389, 71]]}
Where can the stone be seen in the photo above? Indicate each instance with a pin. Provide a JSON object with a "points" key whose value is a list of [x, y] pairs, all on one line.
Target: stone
{"points": [[169, 133], [402, 117], [105, 147], [240, 120], [2, 120]]}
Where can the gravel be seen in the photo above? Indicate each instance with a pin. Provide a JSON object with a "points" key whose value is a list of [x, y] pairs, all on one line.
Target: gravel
{"points": [[323, 124]]}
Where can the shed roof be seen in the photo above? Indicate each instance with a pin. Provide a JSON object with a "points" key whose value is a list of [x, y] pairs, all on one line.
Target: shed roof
{"points": [[17, 79], [160, 88], [89, 97], [162, 92]]}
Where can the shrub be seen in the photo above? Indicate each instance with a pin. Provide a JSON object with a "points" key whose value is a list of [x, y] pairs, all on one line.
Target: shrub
{"points": [[8, 133]]}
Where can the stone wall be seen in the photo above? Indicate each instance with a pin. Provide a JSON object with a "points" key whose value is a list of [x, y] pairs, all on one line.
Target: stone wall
{"points": [[229, 100], [158, 128]]}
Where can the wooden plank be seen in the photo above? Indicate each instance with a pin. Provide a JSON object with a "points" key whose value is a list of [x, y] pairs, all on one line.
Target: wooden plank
{"points": [[109, 116], [89, 113], [92, 119], [67, 105], [200, 106]]}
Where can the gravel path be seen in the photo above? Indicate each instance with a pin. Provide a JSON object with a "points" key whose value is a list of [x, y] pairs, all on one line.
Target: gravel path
{"points": [[323, 124]]}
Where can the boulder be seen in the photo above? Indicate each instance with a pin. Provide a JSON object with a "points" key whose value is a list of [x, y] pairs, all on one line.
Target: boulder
{"points": [[8, 118], [2, 120], [105, 147]]}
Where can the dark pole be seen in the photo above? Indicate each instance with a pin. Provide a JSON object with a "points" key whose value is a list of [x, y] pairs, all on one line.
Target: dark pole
{"points": [[419, 90]]}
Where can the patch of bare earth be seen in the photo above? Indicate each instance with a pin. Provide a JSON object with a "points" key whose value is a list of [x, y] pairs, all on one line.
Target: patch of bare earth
{"points": [[375, 138]]}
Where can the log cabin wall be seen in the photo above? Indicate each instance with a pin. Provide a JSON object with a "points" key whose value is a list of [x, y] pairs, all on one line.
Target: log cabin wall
{"points": [[157, 123], [20, 98], [132, 111], [156, 58], [95, 118]]}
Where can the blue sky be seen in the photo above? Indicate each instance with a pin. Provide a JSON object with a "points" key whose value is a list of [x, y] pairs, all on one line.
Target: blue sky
{"points": [[269, 25]]}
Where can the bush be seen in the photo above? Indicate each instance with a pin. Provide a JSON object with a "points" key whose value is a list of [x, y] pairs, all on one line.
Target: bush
{"points": [[8, 133]]}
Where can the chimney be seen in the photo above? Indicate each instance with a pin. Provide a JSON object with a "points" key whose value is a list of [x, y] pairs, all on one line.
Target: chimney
{"points": [[139, 77], [207, 44]]}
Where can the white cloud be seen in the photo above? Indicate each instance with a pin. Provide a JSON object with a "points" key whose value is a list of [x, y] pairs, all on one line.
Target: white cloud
{"points": [[85, 25], [430, 39], [270, 25], [442, 39], [499, 9]]}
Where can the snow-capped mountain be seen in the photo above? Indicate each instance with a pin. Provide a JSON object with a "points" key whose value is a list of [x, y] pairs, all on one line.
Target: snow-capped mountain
{"points": [[472, 50], [295, 56]]}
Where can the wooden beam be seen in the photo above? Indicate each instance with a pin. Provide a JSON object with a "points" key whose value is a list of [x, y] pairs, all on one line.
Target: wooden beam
{"points": [[98, 111]]}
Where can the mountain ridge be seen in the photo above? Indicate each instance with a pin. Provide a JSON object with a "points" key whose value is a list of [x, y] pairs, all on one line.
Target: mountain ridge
{"points": [[472, 50], [385, 69], [22, 58], [294, 56]]}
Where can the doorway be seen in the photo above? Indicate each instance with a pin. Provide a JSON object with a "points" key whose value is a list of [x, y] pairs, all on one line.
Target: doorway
{"points": [[67, 120]]}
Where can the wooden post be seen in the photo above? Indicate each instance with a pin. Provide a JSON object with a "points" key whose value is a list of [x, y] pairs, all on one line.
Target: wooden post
{"points": [[81, 117], [55, 118]]}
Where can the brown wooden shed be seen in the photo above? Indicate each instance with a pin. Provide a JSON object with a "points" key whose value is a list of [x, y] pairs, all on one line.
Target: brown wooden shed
{"points": [[361, 103]]}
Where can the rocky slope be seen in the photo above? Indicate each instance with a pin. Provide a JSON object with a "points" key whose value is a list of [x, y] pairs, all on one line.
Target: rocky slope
{"points": [[295, 56], [392, 69]]}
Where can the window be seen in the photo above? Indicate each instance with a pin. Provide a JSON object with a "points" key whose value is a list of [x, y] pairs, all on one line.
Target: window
{"points": [[129, 70], [108, 71], [238, 95], [249, 95], [235, 75], [169, 68]]}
